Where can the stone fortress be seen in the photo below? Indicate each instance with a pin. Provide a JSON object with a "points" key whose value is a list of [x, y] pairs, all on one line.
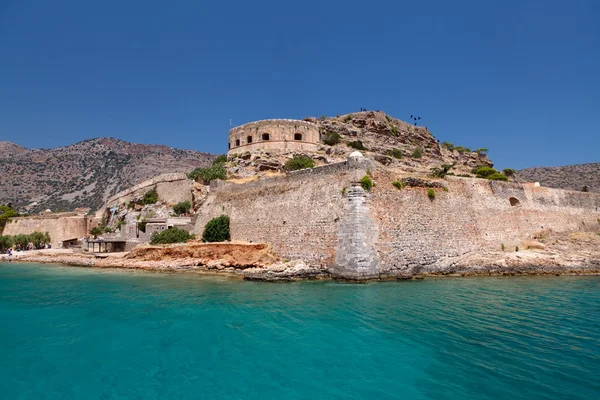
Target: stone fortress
{"points": [[274, 134], [323, 216]]}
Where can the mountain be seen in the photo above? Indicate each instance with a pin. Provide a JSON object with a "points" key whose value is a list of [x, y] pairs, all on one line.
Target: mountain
{"points": [[573, 177], [84, 174]]}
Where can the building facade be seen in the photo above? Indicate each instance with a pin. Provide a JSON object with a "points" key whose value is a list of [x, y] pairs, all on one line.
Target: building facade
{"points": [[274, 134]]}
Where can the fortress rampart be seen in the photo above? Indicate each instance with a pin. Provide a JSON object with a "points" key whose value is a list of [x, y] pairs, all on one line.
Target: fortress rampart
{"points": [[59, 227], [325, 218], [172, 188], [274, 134]]}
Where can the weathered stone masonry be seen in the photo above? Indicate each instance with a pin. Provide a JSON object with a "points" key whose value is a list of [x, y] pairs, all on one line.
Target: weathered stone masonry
{"points": [[323, 217], [274, 134]]}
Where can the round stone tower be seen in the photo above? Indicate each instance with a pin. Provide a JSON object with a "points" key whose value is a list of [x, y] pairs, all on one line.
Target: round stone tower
{"points": [[274, 134]]}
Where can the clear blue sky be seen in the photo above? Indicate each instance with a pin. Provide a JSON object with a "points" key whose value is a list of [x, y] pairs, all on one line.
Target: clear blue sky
{"points": [[519, 77]]}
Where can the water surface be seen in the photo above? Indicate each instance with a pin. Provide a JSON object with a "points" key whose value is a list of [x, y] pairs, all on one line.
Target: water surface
{"points": [[74, 333]]}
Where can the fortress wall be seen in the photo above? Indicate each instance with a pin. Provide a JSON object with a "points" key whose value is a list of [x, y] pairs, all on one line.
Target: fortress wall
{"points": [[299, 214], [172, 188], [415, 232], [60, 228], [280, 136], [305, 215]]}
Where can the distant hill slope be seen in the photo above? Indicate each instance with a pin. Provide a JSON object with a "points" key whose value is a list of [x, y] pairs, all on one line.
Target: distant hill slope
{"points": [[85, 174], [573, 177]]}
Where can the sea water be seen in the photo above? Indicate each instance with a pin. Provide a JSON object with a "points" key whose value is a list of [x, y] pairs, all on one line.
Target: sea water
{"points": [[75, 333]]}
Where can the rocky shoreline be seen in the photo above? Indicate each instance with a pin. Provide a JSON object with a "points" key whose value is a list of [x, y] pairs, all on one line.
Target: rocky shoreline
{"points": [[526, 262]]}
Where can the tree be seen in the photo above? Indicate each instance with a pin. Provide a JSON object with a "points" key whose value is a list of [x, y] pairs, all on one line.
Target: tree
{"points": [[182, 207], [96, 231], [6, 212], [6, 243], [151, 197], [217, 230], [585, 189]]}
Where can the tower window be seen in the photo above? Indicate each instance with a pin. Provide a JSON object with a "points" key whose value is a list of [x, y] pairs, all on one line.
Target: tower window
{"points": [[297, 136], [249, 139], [237, 142], [265, 136]]}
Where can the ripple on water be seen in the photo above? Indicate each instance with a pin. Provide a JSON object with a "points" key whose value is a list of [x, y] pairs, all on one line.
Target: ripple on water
{"points": [[84, 333]]}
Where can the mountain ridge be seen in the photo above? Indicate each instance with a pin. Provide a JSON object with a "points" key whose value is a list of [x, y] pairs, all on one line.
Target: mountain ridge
{"points": [[85, 173], [571, 177]]}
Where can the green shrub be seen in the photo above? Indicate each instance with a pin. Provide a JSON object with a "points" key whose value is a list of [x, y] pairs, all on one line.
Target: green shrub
{"points": [[6, 243], [396, 153], [366, 182], [348, 118], [461, 149], [96, 231], [502, 247], [6, 212], [217, 230], [448, 145], [509, 171], [497, 177], [441, 171], [299, 162], [388, 118], [331, 138], [394, 130], [357, 144], [431, 193], [481, 151], [220, 159], [151, 197], [418, 153], [517, 248], [398, 185], [182, 207], [484, 172], [172, 235], [216, 171]]}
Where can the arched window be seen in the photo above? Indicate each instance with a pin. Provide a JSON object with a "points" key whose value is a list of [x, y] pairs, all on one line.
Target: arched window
{"points": [[265, 136], [229, 145], [297, 136], [514, 201], [249, 139], [237, 142]]}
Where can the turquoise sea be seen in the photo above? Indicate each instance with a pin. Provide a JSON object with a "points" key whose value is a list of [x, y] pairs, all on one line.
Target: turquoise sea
{"points": [[75, 333]]}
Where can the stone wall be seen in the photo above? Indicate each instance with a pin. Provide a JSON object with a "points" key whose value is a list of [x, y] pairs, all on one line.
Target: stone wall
{"points": [[323, 217], [172, 189], [274, 134], [416, 232], [299, 214], [60, 228]]}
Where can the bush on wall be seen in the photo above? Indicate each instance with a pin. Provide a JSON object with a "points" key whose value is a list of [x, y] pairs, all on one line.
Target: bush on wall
{"points": [[217, 230], [299, 162]]}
